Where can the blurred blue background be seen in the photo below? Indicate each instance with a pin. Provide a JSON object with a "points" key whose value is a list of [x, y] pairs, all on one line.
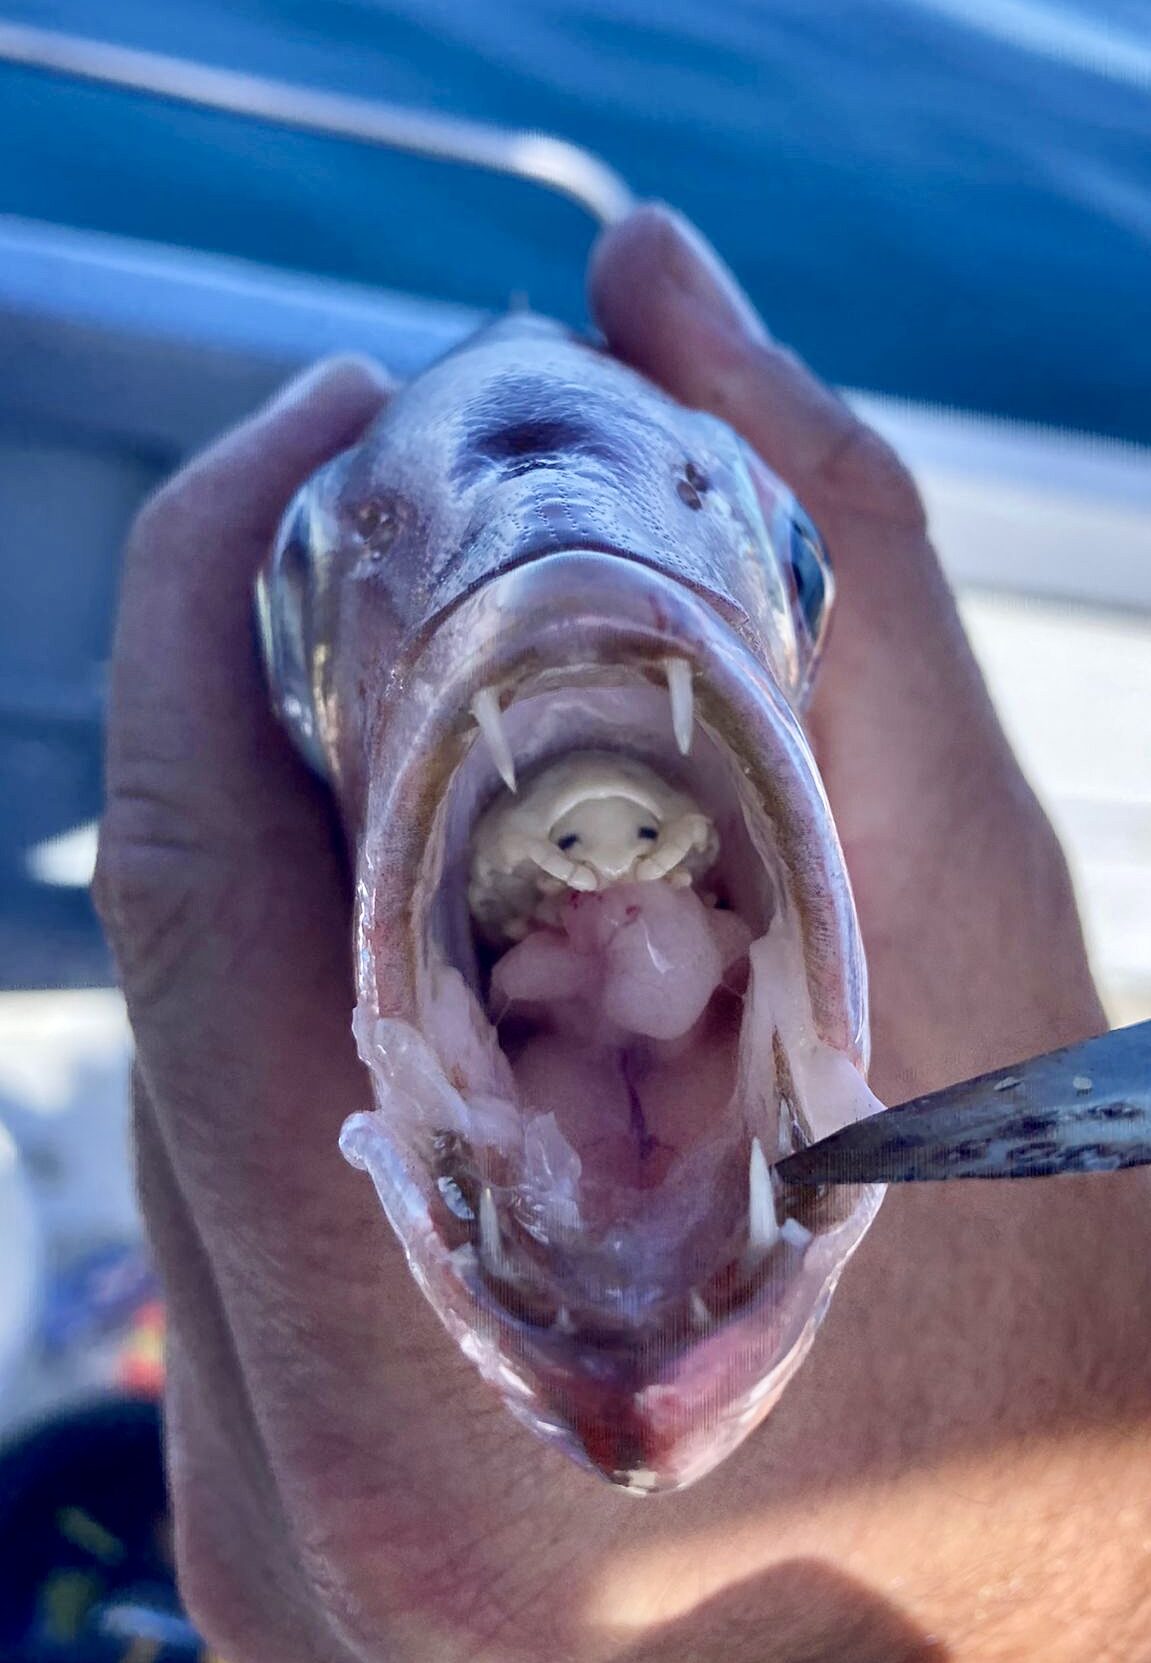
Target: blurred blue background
{"points": [[944, 199], [947, 200]]}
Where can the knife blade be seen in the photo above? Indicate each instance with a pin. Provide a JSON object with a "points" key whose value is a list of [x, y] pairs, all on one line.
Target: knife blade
{"points": [[1085, 1108]]}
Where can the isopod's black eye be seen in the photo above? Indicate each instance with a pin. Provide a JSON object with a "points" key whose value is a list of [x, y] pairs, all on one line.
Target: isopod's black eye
{"points": [[648, 832], [812, 571], [568, 841]]}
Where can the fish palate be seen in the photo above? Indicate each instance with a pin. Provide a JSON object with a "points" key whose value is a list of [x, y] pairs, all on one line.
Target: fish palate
{"points": [[548, 634]]}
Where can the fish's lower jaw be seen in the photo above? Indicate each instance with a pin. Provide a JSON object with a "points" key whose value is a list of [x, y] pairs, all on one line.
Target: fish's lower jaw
{"points": [[588, 1077], [650, 1410], [648, 1366]]}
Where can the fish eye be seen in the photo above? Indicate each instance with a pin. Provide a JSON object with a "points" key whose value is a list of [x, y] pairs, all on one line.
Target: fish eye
{"points": [[648, 832], [568, 841], [811, 570]]}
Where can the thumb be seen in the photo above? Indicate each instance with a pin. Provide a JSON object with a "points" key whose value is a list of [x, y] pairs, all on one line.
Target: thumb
{"points": [[957, 875], [898, 665]]}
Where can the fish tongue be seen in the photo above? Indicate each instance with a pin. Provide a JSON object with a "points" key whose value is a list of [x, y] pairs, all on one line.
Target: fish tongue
{"points": [[647, 956], [622, 1047]]}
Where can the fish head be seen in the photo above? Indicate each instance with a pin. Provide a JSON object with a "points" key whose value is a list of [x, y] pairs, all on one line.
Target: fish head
{"points": [[549, 634]]}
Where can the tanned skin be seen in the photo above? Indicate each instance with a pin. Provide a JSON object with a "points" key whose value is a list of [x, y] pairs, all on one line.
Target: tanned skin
{"points": [[962, 1469]]}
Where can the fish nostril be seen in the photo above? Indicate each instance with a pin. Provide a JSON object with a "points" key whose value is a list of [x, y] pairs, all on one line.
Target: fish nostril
{"points": [[692, 485]]}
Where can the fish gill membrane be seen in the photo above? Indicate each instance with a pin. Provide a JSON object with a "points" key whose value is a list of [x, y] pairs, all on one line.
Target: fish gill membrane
{"points": [[546, 634]]}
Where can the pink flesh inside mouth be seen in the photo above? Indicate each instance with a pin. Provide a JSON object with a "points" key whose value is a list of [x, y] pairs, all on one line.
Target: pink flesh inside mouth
{"points": [[621, 1020], [576, 1122]]}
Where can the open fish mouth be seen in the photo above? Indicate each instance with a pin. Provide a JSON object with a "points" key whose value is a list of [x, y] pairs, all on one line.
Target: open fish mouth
{"points": [[545, 631], [608, 974]]}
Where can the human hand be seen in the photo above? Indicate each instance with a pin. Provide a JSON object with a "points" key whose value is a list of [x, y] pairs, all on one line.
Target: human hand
{"points": [[343, 1484]]}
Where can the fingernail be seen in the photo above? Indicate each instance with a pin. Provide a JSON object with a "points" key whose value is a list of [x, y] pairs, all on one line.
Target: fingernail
{"points": [[699, 273], [347, 373]]}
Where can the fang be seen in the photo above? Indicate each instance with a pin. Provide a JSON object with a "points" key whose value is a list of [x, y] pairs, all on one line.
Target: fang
{"points": [[486, 710], [682, 702], [491, 1245], [762, 1224]]}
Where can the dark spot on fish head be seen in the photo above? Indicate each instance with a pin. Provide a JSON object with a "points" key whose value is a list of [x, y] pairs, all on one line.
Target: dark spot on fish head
{"points": [[536, 441], [530, 423], [692, 485]]}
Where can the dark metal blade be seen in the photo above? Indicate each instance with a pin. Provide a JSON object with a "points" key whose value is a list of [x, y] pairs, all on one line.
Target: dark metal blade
{"points": [[1086, 1108]]}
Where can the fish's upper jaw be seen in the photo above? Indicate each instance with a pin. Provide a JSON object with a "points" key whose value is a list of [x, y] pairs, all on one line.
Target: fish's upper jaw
{"points": [[574, 1131], [513, 676], [517, 474]]}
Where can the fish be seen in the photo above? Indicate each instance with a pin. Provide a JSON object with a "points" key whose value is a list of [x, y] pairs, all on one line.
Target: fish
{"points": [[548, 635]]}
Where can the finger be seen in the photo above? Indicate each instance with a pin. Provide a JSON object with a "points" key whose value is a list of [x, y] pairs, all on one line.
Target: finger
{"points": [[669, 306], [220, 876], [222, 880], [899, 657], [233, 1546], [188, 708]]}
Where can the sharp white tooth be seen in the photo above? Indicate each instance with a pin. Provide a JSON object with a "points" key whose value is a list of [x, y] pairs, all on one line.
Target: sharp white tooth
{"points": [[762, 1224], [486, 710], [699, 1311], [682, 702], [491, 1245]]}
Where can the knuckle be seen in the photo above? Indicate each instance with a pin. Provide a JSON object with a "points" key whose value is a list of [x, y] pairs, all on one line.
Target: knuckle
{"points": [[144, 891]]}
